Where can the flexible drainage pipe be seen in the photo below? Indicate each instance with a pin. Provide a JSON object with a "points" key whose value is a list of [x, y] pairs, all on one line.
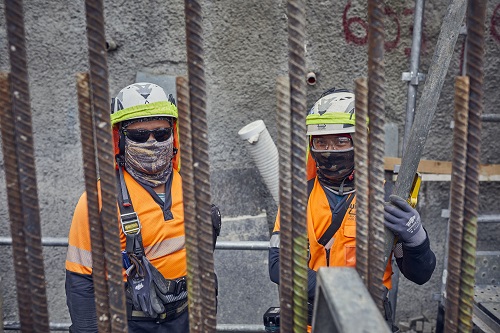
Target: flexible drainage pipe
{"points": [[264, 153]]}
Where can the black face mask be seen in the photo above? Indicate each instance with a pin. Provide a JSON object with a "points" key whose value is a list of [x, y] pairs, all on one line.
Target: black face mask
{"points": [[334, 169]]}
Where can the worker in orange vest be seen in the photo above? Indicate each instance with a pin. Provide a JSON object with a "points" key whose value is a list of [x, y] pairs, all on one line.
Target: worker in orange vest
{"points": [[150, 221], [331, 206]]}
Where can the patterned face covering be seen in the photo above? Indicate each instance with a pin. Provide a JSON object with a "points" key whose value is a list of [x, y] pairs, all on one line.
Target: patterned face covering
{"points": [[150, 163], [334, 169]]}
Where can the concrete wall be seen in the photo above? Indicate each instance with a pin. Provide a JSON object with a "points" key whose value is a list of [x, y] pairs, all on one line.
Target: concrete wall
{"points": [[245, 51]]}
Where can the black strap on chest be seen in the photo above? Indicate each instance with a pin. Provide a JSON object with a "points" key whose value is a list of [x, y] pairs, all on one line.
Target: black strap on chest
{"points": [[131, 226], [338, 214]]}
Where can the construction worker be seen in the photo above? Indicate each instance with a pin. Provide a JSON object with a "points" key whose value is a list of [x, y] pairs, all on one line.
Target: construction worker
{"points": [[151, 221], [331, 207]]}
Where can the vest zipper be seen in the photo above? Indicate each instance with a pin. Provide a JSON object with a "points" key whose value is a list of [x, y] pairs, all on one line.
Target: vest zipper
{"points": [[327, 258]]}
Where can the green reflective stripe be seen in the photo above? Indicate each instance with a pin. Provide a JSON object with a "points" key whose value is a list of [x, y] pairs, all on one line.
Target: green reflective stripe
{"points": [[165, 247], [79, 256], [162, 108], [331, 118], [275, 240]]}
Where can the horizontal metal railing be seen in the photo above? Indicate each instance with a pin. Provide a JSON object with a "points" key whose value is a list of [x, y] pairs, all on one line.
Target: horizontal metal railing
{"points": [[220, 245], [64, 327]]}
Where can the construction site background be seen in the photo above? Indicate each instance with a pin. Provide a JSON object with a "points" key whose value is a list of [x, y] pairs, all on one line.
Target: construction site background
{"points": [[246, 49]]}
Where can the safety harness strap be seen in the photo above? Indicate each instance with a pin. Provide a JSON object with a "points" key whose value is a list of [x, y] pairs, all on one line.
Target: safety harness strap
{"points": [[337, 218]]}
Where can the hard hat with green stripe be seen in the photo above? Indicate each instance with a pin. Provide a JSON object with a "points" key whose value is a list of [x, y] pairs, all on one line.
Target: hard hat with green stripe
{"points": [[142, 100], [333, 113]]}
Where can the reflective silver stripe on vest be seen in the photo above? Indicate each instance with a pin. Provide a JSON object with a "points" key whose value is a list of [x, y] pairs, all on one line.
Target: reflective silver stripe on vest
{"points": [[275, 240], [165, 247], [79, 256]]}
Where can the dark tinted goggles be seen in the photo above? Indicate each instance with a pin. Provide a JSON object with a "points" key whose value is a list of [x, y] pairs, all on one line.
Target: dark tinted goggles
{"points": [[142, 135]]}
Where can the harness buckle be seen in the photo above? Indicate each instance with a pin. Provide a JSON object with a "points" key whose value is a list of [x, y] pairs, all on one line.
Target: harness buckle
{"points": [[181, 286], [130, 223]]}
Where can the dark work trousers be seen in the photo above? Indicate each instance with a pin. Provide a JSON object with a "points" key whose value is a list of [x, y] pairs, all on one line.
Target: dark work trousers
{"points": [[177, 325]]}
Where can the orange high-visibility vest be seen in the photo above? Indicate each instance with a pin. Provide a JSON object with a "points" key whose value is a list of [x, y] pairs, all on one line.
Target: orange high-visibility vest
{"points": [[343, 248], [164, 241]]}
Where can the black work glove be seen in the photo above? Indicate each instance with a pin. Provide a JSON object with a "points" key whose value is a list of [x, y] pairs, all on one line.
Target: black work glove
{"points": [[145, 284], [404, 221]]}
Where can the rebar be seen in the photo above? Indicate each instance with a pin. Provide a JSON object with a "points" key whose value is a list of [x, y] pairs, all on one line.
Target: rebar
{"points": [[101, 105], [427, 105], [457, 189], [15, 205], [376, 109], [283, 119], [361, 180], [20, 104], [191, 229], [476, 15], [296, 68], [90, 174], [201, 161]]}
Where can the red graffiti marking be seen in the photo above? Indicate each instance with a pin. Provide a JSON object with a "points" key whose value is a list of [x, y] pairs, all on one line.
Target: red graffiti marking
{"points": [[356, 29], [391, 45], [495, 24], [350, 37]]}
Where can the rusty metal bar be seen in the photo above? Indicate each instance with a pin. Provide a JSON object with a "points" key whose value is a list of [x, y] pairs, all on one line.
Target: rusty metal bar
{"points": [[101, 104], [443, 52], [26, 163], [191, 228], [476, 16], [376, 113], [457, 203], [296, 68], [90, 174], [283, 118], [361, 179], [201, 163], [15, 205]]}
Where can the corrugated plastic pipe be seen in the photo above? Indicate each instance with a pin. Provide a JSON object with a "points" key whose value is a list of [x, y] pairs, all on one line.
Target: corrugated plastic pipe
{"points": [[264, 153]]}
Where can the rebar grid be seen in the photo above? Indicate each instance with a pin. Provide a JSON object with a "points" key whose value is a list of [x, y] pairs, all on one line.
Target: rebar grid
{"points": [[90, 174], [201, 162], [101, 104], [296, 67], [476, 15], [15, 205], [20, 103], [361, 180], [457, 194], [376, 109], [283, 119], [191, 229]]}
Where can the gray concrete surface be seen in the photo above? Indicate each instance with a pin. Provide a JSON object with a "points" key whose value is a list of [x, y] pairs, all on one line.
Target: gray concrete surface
{"points": [[245, 51]]}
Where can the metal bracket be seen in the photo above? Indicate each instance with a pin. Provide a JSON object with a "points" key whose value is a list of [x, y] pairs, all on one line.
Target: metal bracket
{"points": [[412, 78]]}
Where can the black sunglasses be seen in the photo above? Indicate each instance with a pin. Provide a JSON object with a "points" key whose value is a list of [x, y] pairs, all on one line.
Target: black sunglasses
{"points": [[142, 135]]}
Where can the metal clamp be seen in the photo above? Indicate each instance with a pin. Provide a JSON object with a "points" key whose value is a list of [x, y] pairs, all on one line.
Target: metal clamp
{"points": [[130, 223]]}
